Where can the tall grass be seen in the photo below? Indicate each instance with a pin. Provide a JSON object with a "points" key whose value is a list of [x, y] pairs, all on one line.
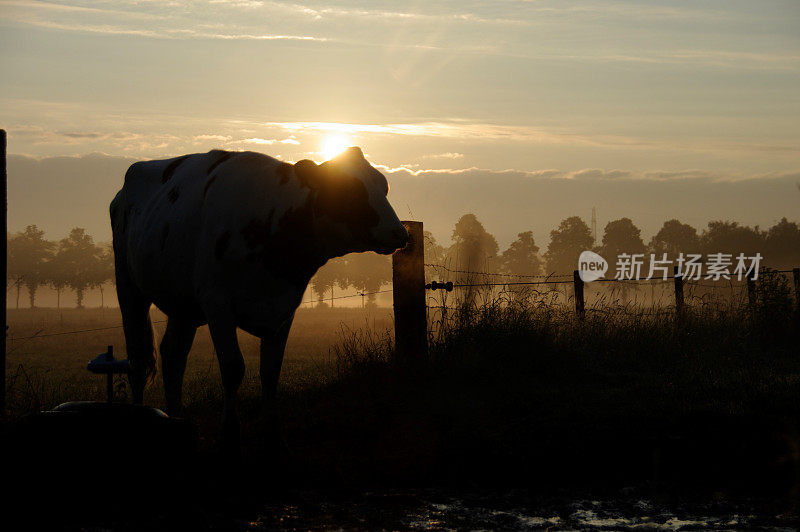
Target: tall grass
{"points": [[514, 384]]}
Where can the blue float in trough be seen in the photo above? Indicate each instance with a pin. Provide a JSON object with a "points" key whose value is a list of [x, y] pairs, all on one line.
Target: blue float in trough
{"points": [[105, 364]]}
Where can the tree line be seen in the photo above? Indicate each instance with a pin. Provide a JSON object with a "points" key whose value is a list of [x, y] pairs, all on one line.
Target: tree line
{"points": [[78, 263], [473, 249], [75, 262]]}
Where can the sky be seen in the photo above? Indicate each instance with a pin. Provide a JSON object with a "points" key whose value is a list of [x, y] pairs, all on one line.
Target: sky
{"points": [[638, 91]]}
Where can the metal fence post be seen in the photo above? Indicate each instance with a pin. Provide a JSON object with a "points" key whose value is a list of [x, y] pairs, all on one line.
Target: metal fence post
{"points": [[677, 277], [408, 290], [577, 283]]}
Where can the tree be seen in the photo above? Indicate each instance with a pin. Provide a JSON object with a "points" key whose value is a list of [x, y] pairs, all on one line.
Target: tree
{"points": [[473, 247], [78, 264], [434, 255], [104, 269], [730, 237], [28, 254], [367, 272], [521, 257], [57, 273], [783, 245], [621, 236], [331, 273], [674, 238], [566, 243]]}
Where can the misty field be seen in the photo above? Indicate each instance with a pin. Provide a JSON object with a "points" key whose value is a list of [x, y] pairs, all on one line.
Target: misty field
{"points": [[50, 368], [509, 381], [516, 393]]}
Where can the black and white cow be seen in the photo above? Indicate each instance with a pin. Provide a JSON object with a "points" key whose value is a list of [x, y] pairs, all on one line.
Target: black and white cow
{"points": [[231, 239]]}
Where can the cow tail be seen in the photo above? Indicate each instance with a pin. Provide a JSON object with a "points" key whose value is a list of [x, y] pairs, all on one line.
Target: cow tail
{"points": [[149, 360]]}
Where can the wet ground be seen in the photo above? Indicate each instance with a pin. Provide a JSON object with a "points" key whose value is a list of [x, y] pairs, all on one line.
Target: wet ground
{"points": [[515, 510]]}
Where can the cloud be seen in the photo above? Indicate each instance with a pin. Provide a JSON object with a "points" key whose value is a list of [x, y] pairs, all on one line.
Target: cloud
{"points": [[595, 174], [598, 173], [477, 131], [446, 155], [207, 137], [256, 140]]}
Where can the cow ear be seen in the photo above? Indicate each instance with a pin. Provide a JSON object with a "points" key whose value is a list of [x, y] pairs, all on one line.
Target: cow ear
{"points": [[309, 173], [354, 152]]}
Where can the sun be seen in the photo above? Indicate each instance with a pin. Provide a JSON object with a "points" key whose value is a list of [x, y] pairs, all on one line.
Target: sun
{"points": [[333, 145]]}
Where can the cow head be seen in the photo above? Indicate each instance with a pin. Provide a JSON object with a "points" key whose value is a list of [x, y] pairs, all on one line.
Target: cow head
{"points": [[351, 210]]}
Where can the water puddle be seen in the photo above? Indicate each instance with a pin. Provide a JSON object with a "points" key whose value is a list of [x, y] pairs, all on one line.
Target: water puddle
{"points": [[435, 510]]}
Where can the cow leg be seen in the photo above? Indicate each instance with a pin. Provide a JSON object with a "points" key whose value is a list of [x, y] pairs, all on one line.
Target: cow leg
{"points": [[175, 347], [135, 309], [231, 367], [272, 350]]}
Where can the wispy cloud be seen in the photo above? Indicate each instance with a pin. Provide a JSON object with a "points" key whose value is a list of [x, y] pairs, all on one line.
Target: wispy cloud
{"points": [[476, 131], [596, 174]]}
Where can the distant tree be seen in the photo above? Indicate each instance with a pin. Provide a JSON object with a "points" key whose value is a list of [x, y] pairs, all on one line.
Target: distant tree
{"points": [[57, 273], [78, 259], [435, 255], [28, 254], [566, 244], [367, 272], [783, 245], [473, 247], [331, 274], [621, 236], [104, 270], [521, 257], [730, 237], [674, 238]]}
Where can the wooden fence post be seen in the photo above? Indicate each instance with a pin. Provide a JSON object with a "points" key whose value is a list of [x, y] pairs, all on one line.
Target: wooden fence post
{"points": [[751, 293], [408, 290], [577, 283], [3, 268], [678, 278]]}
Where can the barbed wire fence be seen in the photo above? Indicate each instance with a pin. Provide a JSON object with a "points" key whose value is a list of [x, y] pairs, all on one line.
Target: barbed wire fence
{"points": [[540, 287]]}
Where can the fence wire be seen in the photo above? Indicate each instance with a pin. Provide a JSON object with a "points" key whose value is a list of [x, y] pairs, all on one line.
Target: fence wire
{"points": [[706, 299]]}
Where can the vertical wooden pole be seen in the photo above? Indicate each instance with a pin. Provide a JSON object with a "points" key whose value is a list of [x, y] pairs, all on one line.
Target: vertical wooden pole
{"points": [[678, 278], [408, 290], [577, 283], [3, 267], [751, 293], [796, 276]]}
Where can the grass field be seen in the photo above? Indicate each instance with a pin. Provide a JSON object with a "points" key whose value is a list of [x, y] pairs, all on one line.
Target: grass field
{"points": [[51, 368], [514, 392]]}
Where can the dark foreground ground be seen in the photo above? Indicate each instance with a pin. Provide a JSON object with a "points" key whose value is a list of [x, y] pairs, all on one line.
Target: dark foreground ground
{"points": [[520, 417]]}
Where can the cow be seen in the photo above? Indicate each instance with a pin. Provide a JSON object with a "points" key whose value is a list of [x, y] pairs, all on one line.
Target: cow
{"points": [[231, 239]]}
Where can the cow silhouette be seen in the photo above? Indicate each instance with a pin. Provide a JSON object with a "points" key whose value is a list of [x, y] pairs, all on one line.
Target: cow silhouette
{"points": [[231, 239]]}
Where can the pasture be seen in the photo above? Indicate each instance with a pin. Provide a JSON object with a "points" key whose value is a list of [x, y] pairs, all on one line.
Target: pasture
{"points": [[515, 393]]}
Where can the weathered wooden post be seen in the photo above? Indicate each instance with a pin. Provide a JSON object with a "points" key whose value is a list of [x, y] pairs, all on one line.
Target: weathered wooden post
{"points": [[751, 293], [3, 267], [677, 277], [408, 290], [577, 283]]}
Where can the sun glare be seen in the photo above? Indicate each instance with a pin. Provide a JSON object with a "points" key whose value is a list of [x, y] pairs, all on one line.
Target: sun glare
{"points": [[333, 145]]}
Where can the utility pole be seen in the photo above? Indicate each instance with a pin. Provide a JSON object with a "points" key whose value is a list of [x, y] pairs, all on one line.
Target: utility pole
{"points": [[3, 268], [594, 225]]}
